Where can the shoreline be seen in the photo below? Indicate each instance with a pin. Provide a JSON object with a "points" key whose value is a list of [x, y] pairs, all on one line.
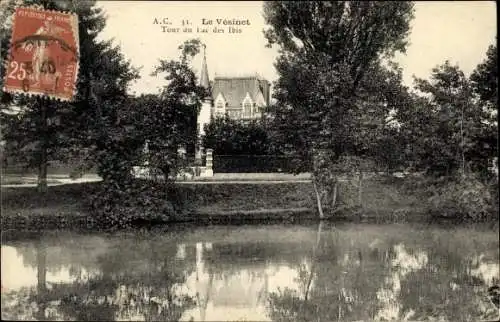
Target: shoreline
{"points": [[85, 222], [67, 206]]}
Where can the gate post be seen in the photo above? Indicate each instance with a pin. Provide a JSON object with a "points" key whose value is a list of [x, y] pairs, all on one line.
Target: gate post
{"points": [[209, 163]]}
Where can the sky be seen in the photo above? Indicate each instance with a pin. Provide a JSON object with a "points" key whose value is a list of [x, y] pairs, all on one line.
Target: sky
{"points": [[459, 31]]}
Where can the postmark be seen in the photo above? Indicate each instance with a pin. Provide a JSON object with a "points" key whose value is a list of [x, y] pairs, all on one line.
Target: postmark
{"points": [[44, 54]]}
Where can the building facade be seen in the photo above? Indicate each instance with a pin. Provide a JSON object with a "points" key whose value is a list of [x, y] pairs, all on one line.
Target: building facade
{"points": [[243, 97], [239, 97]]}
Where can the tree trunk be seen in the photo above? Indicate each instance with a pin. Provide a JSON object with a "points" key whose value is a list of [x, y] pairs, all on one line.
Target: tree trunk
{"points": [[42, 170], [318, 200], [165, 170], [360, 189], [463, 141], [41, 260], [42, 165]]}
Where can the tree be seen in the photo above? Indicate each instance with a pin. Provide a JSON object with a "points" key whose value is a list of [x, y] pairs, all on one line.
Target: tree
{"points": [[326, 50], [381, 95], [88, 126], [485, 78], [450, 122], [485, 85], [170, 117]]}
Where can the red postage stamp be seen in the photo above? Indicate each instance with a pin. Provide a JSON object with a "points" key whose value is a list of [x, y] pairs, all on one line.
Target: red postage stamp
{"points": [[44, 54]]}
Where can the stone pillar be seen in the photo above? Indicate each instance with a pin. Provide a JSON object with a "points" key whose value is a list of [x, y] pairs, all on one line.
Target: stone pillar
{"points": [[209, 164], [198, 154]]}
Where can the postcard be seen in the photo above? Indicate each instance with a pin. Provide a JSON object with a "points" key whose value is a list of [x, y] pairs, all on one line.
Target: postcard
{"points": [[249, 160]]}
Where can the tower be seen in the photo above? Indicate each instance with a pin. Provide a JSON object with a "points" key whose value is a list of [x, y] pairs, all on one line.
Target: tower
{"points": [[206, 105]]}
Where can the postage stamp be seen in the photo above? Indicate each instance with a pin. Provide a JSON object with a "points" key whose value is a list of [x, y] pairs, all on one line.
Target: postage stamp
{"points": [[43, 54]]}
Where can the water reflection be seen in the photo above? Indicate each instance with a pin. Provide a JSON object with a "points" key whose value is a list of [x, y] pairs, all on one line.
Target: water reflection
{"points": [[285, 273], [402, 264]]}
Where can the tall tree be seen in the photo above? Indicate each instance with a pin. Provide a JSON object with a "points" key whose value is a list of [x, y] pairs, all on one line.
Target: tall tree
{"points": [[170, 117], [326, 50], [86, 127]]}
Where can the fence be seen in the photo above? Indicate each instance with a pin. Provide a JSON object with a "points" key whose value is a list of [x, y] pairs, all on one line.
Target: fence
{"points": [[274, 163], [251, 163]]}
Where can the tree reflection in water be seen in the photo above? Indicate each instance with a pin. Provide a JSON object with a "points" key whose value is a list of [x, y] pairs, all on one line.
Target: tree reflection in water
{"points": [[132, 285], [342, 272], [334, 288], [437, 277]]}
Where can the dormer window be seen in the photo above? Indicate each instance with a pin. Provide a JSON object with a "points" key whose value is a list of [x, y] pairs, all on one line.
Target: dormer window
{"points": [[247, 106], [220, 105]]}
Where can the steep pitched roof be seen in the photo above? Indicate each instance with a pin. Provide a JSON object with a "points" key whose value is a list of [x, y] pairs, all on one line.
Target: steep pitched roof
{"points": [[221, 95], [235, 89]]}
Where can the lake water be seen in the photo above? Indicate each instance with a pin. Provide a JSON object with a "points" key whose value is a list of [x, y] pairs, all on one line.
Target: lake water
{"points": [[327, 272]]}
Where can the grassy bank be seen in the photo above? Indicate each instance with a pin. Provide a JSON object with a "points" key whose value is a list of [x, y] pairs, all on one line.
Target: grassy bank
{"points": [[67, 204], [384, 199]]}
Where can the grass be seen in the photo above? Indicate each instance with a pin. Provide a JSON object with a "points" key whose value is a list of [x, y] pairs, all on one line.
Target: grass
{"points": [[383, 199], [27, 199], [222, 197], [62, 206]]}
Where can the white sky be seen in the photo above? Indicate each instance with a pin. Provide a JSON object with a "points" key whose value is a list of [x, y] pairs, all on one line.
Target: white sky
{"points": [[460, 31]]}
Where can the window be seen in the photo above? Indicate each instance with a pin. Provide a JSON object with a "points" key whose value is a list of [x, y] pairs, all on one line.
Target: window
{"points": [[247, 109], [220, 104]]}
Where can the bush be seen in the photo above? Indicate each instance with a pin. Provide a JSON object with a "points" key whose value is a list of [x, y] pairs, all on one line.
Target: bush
{"points": [[122, 199], [462, 198], [233, 137], [140, 201]]}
